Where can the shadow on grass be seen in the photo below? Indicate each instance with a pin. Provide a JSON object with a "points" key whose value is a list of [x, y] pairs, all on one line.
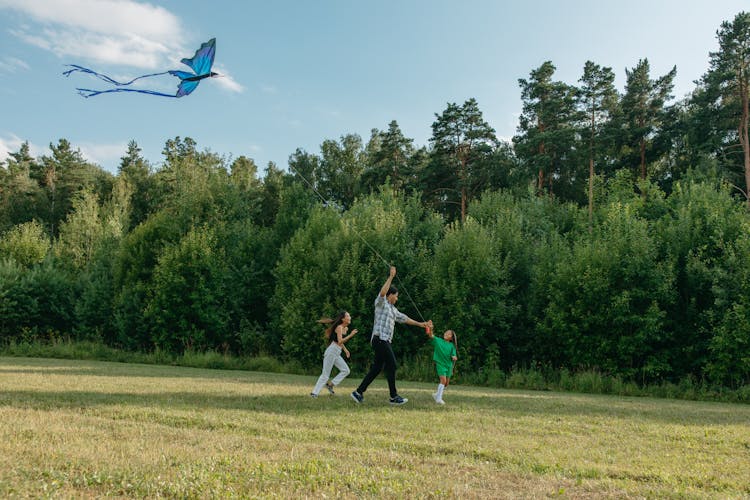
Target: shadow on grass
{"points": [[513, 403], [53, 366], [168, 373], [420, 400], [181, 401]]}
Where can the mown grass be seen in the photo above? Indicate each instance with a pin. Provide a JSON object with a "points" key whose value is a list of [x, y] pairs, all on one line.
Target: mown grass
{"points": [[419, 367], [88, 429]]}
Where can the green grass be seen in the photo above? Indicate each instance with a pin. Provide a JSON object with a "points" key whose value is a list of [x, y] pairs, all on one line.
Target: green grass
{"points": [[89, 429], [417, 368]]}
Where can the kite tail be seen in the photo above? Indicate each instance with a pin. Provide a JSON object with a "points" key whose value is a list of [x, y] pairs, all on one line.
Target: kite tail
{"points": [[92, 93], [105, 77]]}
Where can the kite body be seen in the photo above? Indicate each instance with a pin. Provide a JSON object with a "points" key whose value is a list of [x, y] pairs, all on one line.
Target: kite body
{"points": [[200, 63]]}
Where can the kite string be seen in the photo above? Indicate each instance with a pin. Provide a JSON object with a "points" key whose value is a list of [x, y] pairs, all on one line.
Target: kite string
{"points": [[327, 203]]}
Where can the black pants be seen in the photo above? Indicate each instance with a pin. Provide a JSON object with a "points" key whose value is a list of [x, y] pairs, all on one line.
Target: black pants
{"points": [[384, 358]]}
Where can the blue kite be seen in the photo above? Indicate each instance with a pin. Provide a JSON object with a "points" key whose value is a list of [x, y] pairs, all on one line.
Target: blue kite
{"points": [[200, 63]]}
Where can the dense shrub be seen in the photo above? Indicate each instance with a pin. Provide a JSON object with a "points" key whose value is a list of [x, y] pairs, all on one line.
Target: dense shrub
{"points": [[25, 243]]}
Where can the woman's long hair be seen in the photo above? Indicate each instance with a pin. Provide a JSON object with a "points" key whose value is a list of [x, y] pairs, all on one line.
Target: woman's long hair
{"points": [[333, 324]]}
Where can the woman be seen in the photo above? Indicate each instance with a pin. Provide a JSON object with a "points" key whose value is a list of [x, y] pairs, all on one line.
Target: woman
{"points": [[336, 336]]}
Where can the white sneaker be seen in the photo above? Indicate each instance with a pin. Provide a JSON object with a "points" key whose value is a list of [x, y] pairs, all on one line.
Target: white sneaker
{"points": [[440, 401]]}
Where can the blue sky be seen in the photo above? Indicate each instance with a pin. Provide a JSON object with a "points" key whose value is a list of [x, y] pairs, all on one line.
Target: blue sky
{"points": [[299, 72]]}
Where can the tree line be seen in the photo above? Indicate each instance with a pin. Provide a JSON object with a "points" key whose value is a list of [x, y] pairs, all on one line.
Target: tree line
{"points": [[611, 233]]}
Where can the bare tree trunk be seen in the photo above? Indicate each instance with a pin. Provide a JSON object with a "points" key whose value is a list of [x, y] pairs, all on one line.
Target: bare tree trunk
{"points": [[462, 177], [643, 158], [744, 139], [549, 183], [540, 178], [463, 204], [591, 169], [591, 191], [540, 182], [50, 178]]}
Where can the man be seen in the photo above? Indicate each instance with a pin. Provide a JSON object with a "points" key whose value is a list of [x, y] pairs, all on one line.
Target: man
{"points": [[386, 315]]}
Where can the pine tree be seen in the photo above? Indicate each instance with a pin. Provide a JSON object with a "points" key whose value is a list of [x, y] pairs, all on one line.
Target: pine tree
{"points": [[597, 100], [727, 83], [462, 147], [547, 128], [644, 114]]}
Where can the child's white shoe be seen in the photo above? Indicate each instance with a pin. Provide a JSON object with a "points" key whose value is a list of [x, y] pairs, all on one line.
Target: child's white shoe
{"points": [[440, 401]]}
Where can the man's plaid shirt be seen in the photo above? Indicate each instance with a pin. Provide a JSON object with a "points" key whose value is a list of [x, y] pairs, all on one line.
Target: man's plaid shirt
{"points": [[386, 316]]}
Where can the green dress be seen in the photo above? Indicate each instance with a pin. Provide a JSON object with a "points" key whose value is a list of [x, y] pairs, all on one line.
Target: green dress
{"points": [[443, 353]]}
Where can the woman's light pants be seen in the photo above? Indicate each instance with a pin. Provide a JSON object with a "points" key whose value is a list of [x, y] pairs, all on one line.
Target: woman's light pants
{"points": [[332, 357]]}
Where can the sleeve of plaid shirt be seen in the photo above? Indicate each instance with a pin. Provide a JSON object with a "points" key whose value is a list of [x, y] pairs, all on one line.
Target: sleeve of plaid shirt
{"points": [[399, 317]]}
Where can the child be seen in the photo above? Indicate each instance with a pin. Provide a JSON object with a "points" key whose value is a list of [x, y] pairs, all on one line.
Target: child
{"points": [[445, 357], [336, 337]]}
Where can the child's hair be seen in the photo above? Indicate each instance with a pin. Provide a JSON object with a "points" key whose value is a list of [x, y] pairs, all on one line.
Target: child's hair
{"points": [[391, 290], [333, 323], [454, 339]]}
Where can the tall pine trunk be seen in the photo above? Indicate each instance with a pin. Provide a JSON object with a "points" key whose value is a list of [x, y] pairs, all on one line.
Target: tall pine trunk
{"points": [[540, 185], [591, 169], [744, 139]]}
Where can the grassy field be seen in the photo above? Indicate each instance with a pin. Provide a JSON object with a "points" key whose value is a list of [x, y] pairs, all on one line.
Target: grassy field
{"points": [[91, 429]]}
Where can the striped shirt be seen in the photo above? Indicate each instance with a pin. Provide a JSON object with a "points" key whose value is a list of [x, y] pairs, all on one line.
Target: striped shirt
{"points": [[386, 316]]}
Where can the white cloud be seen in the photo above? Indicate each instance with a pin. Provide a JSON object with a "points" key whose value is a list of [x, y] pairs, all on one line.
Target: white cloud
{"points": [[103, 154], [106, 31], [106, 16], [12, 65], [113, 32], [7, 146], [11, 143], [226, 81]]}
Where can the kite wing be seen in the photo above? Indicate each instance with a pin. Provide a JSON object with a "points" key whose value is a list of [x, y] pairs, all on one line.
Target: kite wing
{"points": [[186, 86], [188, 82], [200, 63], [203, 59]]}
